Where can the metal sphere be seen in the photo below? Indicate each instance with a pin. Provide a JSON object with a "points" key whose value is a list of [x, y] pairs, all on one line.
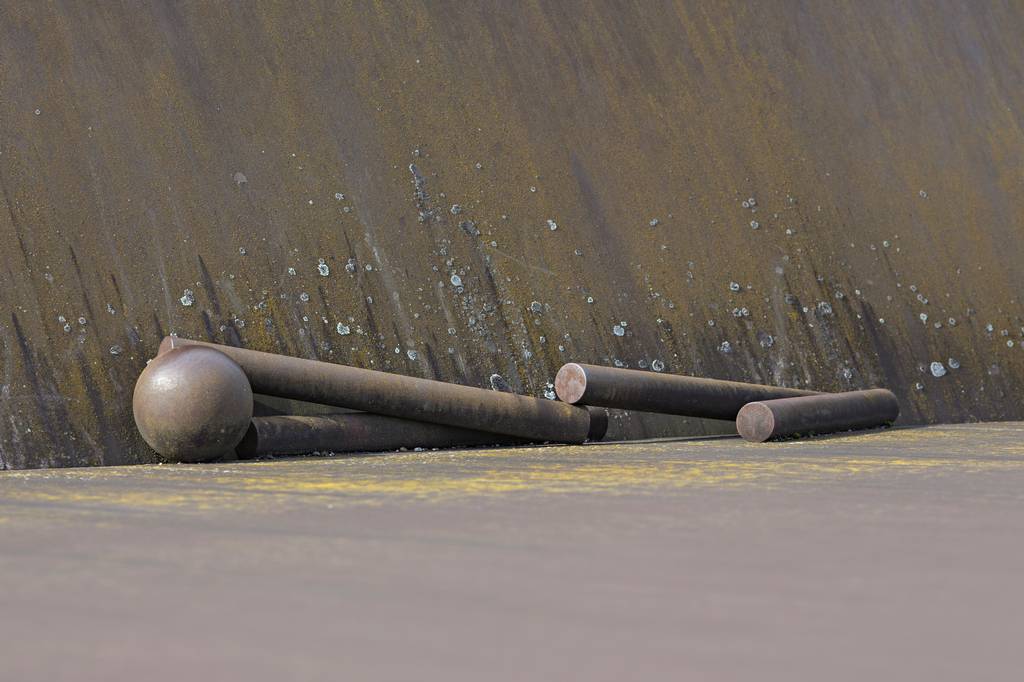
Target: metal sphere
{"points": [[192, 404]]}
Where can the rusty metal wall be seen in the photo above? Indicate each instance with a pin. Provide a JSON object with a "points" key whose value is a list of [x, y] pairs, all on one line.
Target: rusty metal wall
{"points": [[449, 190]]}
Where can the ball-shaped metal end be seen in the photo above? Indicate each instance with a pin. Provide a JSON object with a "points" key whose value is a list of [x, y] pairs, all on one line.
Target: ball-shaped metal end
{"points": [[755, 422], [571, 383], [192, 404]]}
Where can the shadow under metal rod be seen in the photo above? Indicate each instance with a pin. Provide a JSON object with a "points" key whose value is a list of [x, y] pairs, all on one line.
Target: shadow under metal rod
{"points": [[629, 389], [396, 395]]}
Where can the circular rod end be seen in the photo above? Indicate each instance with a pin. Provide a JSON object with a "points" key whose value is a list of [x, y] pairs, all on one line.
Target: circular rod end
{"points": [[571, 383], [755, 422]]}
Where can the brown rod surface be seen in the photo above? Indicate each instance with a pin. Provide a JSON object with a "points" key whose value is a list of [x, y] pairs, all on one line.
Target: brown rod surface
{"points": [[357, 432], [396, 395], [629, 389], [817, 414]]}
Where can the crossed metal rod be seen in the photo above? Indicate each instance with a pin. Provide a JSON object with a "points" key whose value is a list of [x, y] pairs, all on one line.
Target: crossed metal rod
{"points": [[195, 401]]}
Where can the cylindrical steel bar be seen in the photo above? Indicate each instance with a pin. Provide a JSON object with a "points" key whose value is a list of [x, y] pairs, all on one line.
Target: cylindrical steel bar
{"points": [[817, 414], [395, 395], [630, 389], [356, 432]]}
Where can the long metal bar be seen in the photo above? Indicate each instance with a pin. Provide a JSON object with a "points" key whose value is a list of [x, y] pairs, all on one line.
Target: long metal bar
{"points": [[630, 389], [818, 414], [396, 395], [356, 432]]}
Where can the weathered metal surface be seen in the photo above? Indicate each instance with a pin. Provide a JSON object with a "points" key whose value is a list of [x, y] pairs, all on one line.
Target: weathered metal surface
{"points": [[817, 414], [154, 155], [629, 389], [402, 396], [298, 435], [192, 404]]}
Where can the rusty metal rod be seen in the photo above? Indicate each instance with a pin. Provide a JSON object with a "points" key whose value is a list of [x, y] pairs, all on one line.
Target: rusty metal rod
{"points": [[817, 414], [396, 395], [630, 389], [356, 432]]}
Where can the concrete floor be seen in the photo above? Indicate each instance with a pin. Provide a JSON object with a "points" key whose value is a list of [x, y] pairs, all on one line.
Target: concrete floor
{"points": [[889, 555]]}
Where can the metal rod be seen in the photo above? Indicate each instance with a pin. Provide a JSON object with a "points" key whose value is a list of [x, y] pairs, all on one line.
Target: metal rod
{"points": [[356, 432], [818, 414], [629, 389], [396, 395]]}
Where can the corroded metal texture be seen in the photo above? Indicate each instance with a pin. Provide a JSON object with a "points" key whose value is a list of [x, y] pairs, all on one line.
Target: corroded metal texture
{"points": [[401, 396], [360, 432], [452, 191], [629, 389], [192, 404], [817, 414]]}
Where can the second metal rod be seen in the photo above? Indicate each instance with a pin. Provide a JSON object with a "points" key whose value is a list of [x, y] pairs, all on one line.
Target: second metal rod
{"points": [[630, 389], [356, 432]]}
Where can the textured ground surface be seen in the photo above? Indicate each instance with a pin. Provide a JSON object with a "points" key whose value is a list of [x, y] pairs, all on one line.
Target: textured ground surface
{"points": [[891, 555], [376, 183]]}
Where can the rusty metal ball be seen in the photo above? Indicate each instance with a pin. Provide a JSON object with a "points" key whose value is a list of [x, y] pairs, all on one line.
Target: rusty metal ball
{"points": [[192, 404]]}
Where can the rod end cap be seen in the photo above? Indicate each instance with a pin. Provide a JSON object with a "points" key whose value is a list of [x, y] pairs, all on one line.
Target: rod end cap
{"points": [[755, 422], [571, 383]]}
